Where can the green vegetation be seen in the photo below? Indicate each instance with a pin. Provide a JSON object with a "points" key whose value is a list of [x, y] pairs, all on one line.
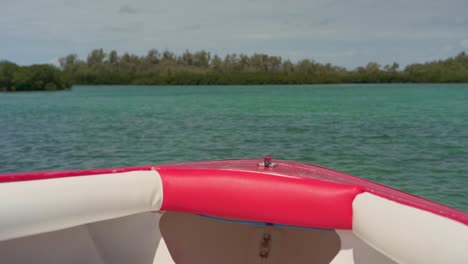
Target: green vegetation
{"points": [[30, 78], [202, 68]]}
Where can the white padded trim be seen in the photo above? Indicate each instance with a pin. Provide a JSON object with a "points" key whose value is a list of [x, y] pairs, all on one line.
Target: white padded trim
{"points": [[33, 207], [407, 234]]}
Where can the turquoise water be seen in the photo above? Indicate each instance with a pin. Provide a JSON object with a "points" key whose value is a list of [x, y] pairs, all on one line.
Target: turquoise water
{"points": [[411, 137]]}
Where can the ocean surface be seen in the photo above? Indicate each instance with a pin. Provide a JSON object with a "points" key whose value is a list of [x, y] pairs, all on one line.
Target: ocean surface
{"points": [[410, 137]]}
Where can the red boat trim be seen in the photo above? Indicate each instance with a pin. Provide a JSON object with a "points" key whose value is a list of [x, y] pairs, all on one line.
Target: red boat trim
{"points": [[288, 168], [258, 197]]}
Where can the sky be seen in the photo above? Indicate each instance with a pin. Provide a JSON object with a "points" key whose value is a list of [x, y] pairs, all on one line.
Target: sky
{"points": [[347, 33]]}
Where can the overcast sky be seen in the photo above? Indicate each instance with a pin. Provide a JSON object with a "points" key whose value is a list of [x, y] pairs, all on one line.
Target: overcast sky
{"points": [[343, 32]]}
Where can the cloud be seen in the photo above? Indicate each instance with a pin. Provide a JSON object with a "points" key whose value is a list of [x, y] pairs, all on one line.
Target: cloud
{"points": [[124, 28], [464, 43], [324, 22], [194, 27], [460, 21], [260, 36], [447, 48], [54, 62], [116, 29], [127, 9]]}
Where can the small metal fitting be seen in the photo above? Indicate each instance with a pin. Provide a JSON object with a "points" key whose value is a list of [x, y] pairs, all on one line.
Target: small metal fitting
{"points": [[267, 162]]}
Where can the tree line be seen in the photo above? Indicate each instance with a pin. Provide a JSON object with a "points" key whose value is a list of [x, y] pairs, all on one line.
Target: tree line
{"points": [[42, 77], [203, 68]]}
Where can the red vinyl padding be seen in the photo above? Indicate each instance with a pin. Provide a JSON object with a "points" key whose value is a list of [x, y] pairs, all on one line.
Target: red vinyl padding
{"points": [[258, 197]]}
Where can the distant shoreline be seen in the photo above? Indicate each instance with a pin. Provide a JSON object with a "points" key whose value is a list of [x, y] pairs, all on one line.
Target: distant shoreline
{"points": [[212, 85], [202, 68], [104, 86]]}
